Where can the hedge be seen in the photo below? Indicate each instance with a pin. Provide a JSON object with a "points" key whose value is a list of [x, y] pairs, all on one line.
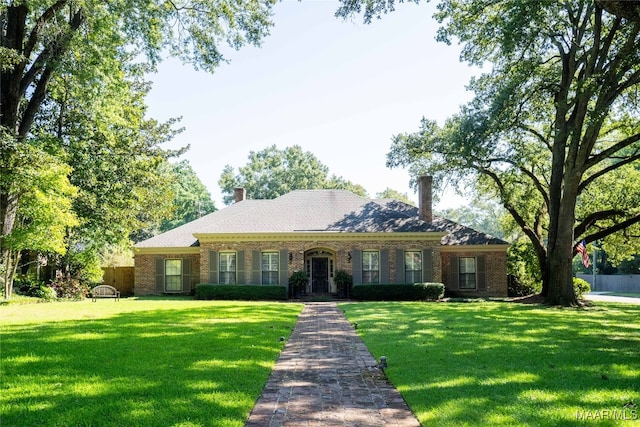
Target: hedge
{"points": [[240, 292], [581, 287], [386, 292]]}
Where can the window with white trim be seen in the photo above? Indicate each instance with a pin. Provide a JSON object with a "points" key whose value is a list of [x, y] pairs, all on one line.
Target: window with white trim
{"points": [[467, 271], [270, 261], [173, 275], [370, 267], [227, 268], [413, 267]]}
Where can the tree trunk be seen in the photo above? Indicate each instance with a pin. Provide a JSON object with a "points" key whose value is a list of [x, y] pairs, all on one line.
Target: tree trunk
{"points": [[560, 276], [10, 266], [558, 270], [8, 214], [544, 269], [9, 200], [563, 192]]}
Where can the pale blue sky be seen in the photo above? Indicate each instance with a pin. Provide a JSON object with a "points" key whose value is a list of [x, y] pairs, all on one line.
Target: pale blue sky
{"points": [[339, 89]]}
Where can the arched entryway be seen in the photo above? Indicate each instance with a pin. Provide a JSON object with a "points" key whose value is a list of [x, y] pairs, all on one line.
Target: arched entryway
{"points": [[319, 264]]}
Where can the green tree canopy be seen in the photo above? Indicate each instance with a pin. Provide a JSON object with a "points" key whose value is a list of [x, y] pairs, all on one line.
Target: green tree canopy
{"points": [[98, 127], [72, 86], [273, 172], [389, 193], [191, 198], [47, 196], [183, 194], [481, 214]]}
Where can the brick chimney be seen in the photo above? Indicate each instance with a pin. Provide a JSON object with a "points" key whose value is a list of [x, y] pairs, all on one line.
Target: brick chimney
{"points": [[425, 184], [239, 194]]}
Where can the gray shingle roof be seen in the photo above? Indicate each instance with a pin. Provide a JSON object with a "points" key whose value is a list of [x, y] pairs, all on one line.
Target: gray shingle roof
{"points": [[462, 235], [313, 211], [457, 234]]}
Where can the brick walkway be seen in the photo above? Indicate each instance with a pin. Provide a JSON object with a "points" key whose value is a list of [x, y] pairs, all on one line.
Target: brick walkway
{"points": [[325, 376]]}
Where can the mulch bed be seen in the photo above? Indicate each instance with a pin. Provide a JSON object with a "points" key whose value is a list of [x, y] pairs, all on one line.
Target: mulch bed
{"points": [[529, 299]]}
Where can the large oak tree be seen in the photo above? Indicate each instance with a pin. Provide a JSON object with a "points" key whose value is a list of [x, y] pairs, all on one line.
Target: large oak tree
{"points": [[553, 129]]}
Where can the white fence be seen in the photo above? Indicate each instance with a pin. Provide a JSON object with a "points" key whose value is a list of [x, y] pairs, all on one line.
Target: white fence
{"points": [[613, 283]]}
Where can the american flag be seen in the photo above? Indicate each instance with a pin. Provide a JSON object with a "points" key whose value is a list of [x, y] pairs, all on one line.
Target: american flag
{"points": [[582, 249]]}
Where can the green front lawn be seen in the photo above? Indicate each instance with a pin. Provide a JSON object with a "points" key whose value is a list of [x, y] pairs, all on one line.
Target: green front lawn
{"points": [[498, 364], [137, 362], [147, 362]]}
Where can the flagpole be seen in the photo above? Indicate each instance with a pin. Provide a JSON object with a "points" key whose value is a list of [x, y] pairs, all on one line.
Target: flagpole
{"points": [[593, 266]]}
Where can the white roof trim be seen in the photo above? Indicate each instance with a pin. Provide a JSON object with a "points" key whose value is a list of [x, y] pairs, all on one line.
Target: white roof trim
{"points": [[312, 236]]}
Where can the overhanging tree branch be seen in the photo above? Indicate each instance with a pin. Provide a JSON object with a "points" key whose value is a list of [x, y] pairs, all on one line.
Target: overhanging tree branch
{"points": [[592, 218], [613, 229], [536, 134], [585, 183], [530, 232], [536, 182], [609, 152]]}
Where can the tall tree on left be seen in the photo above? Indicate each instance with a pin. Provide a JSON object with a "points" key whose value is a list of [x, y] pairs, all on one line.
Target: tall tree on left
{"points": [[71, 88]]}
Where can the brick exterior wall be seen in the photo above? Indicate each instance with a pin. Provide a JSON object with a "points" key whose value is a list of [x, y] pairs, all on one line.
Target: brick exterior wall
{"points": [[341, 249], [145, 272], [496, 264], [496, 272]]}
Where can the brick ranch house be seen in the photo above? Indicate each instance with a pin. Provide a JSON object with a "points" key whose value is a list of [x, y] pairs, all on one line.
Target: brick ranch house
{"points": [[322, 231]]}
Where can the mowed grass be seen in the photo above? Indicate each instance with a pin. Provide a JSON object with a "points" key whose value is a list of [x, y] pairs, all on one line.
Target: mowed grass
{"points": [[137, 362], [499, 364]]}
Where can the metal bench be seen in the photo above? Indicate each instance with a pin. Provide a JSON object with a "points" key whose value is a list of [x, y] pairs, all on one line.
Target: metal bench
{"points": [[104, 291]]}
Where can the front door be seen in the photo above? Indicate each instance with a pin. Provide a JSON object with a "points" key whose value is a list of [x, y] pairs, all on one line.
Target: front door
{"points": [[320, 275]]}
